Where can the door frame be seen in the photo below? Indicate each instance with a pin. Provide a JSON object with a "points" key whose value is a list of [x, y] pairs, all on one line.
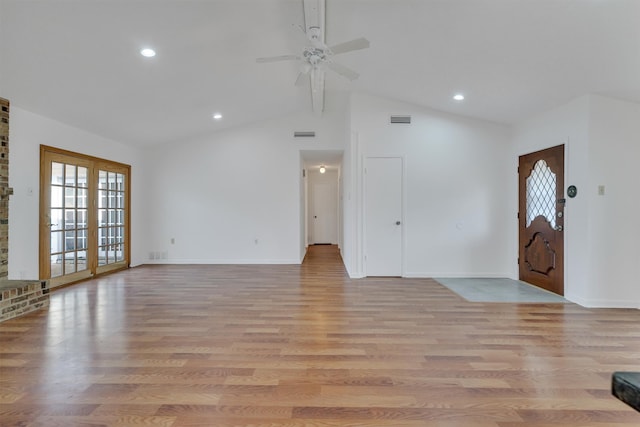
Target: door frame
{"points": [[316, 179], [93, 269], [560, 206]]}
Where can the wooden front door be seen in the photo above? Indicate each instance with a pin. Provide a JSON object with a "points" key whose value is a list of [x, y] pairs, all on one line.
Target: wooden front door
{"points": [[541, 219]]}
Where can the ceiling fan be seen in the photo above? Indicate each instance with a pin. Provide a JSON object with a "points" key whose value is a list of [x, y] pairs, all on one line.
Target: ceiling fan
{"points": [[317, 56]]}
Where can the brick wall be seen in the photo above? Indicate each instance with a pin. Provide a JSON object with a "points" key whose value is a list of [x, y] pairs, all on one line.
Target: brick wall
{"points": [[4, 188], [16, 297], [22, 297]]}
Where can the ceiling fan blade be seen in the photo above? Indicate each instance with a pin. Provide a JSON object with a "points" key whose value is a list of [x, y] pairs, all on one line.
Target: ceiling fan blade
{"points": [[301, 78], [278, 58], [349, 46], [342, 70]]}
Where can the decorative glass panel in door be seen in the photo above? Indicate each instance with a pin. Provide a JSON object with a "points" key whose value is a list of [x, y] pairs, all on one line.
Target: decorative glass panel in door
{"points": [[541, 194], [541, 218]]}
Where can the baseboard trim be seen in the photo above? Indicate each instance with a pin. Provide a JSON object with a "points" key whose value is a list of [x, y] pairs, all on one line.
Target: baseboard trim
{"points": [[604, 303], [417, 275], [225, 261]]}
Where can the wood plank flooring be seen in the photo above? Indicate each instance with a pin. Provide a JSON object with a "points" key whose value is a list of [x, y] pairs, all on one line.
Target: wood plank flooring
{"points": [[306, 346]]}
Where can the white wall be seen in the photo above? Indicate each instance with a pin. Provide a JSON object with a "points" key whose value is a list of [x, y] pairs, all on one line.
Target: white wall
{"points": [[614, 253], [27, 131], [218, 194], [601, 137], [455, 188], [304, 202], [350, 216]]}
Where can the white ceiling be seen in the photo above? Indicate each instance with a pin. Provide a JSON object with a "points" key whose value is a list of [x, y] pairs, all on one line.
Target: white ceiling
{"points": [[77, 61]]}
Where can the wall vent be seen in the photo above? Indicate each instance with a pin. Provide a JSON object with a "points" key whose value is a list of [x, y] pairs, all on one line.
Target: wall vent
{"points": [[401, 119], [304, 134]]}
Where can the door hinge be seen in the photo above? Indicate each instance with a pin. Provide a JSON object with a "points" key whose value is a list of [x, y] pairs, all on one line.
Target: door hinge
{"points": [[518, 215], [518, 260]]}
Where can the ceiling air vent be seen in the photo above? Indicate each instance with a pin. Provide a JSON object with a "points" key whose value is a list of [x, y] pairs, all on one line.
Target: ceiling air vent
{"points": [[401, 119], [304, 134]]}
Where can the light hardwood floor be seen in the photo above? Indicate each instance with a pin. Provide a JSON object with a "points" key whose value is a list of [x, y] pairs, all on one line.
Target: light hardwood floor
{"points": [[306, 346]]}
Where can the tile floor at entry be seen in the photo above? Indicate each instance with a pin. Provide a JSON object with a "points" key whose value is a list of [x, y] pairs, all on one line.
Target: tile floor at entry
{"points": [[499, 290]]}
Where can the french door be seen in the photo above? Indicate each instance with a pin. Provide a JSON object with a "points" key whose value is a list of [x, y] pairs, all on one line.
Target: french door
{"points": [[84, 216]]}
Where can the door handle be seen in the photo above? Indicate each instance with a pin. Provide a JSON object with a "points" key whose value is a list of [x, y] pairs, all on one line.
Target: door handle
{"points": [[398, 222]]}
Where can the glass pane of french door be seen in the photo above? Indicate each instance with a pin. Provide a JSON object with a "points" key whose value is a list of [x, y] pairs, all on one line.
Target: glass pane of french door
{"points": [[111, 217], [83, 216], [68, 218]]}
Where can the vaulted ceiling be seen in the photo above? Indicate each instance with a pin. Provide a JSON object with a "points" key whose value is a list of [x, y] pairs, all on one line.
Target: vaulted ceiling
{"points": [[78, 61]]}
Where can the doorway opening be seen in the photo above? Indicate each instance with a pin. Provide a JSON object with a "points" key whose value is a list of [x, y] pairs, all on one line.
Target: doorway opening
{"points": [[321, 204]]}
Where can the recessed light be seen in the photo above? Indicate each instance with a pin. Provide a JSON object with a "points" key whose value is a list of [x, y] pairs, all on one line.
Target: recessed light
{"points": [[147, 52], [458, 97], [217, 116]]}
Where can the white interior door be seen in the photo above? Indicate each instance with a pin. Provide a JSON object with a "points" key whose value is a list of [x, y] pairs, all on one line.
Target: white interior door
{"points": [[324, 213], [383, 216]]}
